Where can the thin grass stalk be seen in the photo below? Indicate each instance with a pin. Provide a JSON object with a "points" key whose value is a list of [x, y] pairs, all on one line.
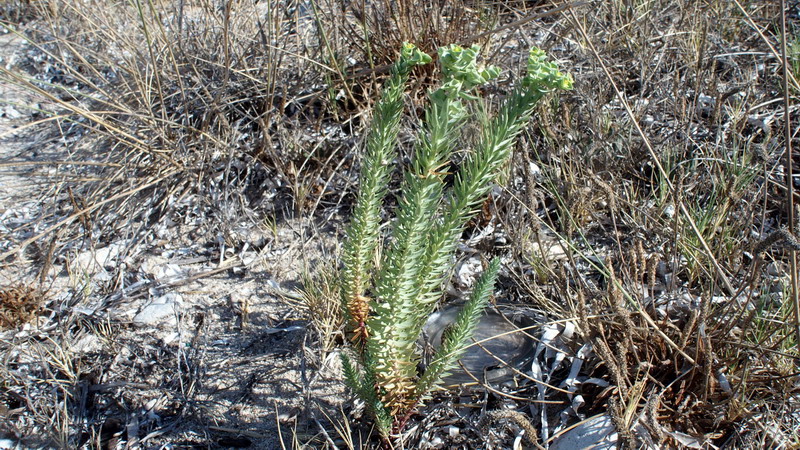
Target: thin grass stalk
{"points": [[726, 283], [330, 53], [226, 42], [766, 40], [69, 219], [102, 125], [790, 210], [367, 37], [170, 50], [153, 59], [520, 22]]}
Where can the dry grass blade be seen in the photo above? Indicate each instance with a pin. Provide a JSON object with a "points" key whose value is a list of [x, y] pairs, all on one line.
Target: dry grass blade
{"points": [[321, 302], [787, 128], [169, 114], [530, 18], [18, 305], [655, 160], [767, 42], [69, 219]]}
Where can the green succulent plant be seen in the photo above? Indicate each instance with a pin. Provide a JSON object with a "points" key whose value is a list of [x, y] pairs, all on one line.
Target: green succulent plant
{"points": [[388, 295]]}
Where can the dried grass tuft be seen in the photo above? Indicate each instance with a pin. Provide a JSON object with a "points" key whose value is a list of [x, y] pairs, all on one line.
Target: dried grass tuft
{"points": [[321, 302], [19, 305]]}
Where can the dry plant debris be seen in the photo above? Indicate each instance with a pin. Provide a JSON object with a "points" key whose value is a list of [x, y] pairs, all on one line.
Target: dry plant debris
{"points": [[18, 305]]}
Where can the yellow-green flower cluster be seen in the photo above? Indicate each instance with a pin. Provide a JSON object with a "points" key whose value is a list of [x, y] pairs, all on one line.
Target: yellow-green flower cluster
{"points": [[412, 55], [460, 69], [543, 74], [460, 75]]}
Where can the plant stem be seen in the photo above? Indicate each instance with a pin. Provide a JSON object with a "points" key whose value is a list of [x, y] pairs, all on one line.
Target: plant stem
{"points": [[790, 212]]}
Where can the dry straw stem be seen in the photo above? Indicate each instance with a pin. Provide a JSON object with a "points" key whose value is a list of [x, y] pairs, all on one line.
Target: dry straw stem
{"points": [[527, 19], [767, 42], [702, 344], [726, 284], [372, 31], [321, 299], [165, 102], [72, 217], [787, 128], [495, 417], [477, 38], [18, 305]]}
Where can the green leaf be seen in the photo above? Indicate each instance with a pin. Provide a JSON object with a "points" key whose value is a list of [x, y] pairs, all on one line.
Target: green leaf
{"points": [[455, 340]]}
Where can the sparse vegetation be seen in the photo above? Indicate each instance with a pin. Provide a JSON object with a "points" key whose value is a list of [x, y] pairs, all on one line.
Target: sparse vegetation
{"points": [[187, 162]]}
